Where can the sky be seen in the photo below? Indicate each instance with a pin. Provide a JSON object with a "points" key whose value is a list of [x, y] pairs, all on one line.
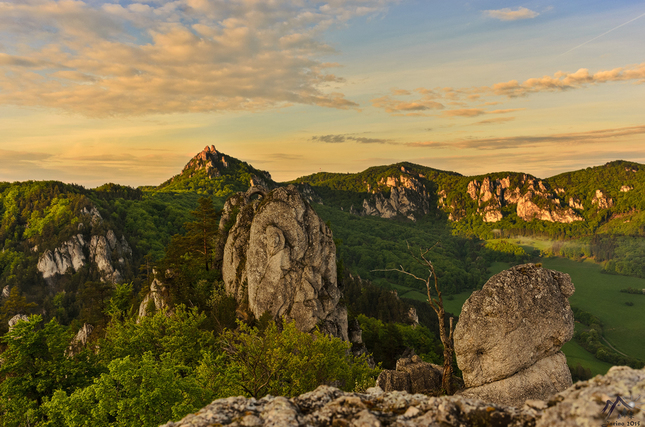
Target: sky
{"points": [[127, 92]]}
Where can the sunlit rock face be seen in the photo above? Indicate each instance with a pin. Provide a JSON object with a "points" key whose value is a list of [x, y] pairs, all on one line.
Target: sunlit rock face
{"points": [[280, 258]]}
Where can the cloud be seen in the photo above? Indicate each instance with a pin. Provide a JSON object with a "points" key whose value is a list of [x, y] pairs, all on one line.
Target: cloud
{"points": [[501, 143], [335, 139], [128, 58], [474, 112], [431, 99], [495, 120], [507, 14]]}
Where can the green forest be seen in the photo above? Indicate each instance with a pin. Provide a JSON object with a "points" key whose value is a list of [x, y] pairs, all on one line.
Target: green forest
{"points": [[171, 362]]}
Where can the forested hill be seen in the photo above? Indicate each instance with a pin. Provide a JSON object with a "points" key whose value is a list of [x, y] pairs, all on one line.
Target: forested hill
{"points": [[602, 199], [216, 174]]}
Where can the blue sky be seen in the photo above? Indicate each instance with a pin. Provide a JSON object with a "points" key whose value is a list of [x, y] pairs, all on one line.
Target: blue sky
{"points": [[94, 92]]}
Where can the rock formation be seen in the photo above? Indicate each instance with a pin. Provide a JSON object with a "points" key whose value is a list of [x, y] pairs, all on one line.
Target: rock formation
{"points": [[280, 257], [158, 295], [509, 335], [412, 375], [407, 197], [17, 318], [582, 405], [70, 256], [80, 340], [532, 198]]}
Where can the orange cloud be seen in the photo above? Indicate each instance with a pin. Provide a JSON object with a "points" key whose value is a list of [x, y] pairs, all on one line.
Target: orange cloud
{"points": [[588, 137], [165, 57], [507, 14]]}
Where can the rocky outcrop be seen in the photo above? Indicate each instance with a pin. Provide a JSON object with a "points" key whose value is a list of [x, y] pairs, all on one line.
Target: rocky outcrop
{"points": [[70, 256], [80, 340], [540, 381], [158, 295], [586, 403], [512, 330], [601, 200], [17, 318], [280, 257], [407, 197], [412, 375], [532, 198]]}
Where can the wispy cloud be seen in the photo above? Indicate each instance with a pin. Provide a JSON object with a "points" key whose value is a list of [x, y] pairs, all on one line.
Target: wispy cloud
{"points": [[335, 139], [128, 58], [508, 14], [502, 143], [399, 102]]}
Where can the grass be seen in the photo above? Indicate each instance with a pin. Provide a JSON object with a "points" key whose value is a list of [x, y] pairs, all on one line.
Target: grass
{"points": [[598, 293], [576, 354]]}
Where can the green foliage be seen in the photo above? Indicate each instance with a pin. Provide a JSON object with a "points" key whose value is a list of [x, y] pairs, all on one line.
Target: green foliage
{"points": [[34, 366], [178, 335], [578, 373], [371, 243], [289, 362], [135, 392], [388, 341]]}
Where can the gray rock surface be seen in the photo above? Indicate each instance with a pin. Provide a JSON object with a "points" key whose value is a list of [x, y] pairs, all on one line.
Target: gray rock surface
{"points": [[520, 316], [586, 402], [158, 294], [80, 340], [280, 258], [545, 378], [17, 318], [413, 375], [70, 255], [328, 406], [580, 405], [407, 197]]}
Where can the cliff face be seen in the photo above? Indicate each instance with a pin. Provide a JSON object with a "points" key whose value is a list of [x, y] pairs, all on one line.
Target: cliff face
{"points": [[413, 191], [105, 252], [407, 197], [531, 197]]}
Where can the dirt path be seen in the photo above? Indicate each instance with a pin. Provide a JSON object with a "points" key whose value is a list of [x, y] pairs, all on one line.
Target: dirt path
{"points": [[613, 348]]}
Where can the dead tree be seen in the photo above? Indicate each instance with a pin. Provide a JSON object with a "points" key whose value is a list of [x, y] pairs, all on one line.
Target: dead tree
{"points": [[437, 305]]}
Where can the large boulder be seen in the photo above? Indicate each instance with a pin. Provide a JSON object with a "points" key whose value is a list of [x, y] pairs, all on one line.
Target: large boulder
{"points": [[520, 316], [280, 258], [545, 378]]}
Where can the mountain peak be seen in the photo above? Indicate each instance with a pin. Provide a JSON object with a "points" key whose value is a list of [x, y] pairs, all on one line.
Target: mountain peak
{"points": [[214, 172], [209, 159]]}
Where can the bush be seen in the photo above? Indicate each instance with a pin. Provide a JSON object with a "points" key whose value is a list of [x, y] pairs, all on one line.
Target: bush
{"points": [[289, 362]]}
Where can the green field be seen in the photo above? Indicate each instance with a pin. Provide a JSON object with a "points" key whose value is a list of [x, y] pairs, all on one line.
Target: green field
{"points": [[576, 354], [598, 293]]}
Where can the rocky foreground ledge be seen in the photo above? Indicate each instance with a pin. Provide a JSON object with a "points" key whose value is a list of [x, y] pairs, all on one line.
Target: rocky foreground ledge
{"points": [[584, 404]]}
